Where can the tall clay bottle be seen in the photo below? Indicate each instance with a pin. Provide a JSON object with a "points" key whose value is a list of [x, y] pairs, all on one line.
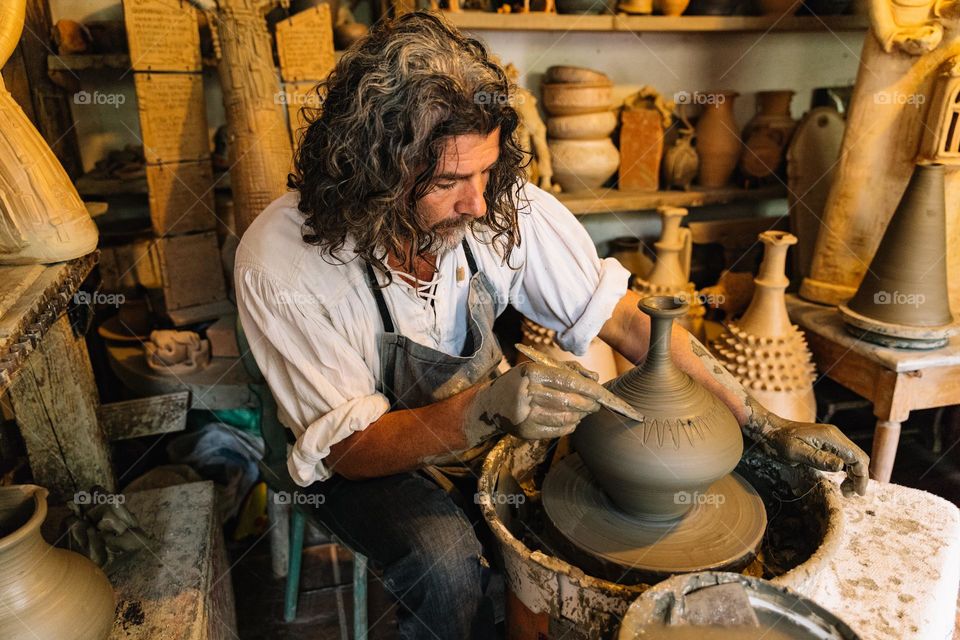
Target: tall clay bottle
{"points": [[42, 218], [718, 140], [688, 440], [46, 593], [763, 349], [670, 275]]}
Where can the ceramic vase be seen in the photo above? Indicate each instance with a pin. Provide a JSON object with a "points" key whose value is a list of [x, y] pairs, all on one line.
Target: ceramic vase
{"points": [[670, 275], [718, 143], [767, 135], [763, 350], [46, 593], [599, 356], [687, 441]]}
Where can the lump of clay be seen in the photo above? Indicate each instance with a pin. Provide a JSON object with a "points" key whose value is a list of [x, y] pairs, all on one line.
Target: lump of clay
{"points": [[176, 352]]}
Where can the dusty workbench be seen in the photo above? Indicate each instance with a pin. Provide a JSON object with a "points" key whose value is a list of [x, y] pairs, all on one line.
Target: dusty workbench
{"points": [[896, 574], [178, 587]]}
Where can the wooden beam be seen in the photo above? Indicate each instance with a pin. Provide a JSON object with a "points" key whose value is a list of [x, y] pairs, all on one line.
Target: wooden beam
{"points": [[145, 416], [55, 402]]}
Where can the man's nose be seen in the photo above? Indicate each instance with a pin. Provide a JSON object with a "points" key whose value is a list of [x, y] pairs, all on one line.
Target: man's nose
{"points": [[471, 201]]}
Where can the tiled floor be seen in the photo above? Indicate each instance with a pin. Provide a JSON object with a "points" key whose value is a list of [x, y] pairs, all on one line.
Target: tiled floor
{"points": [[325, 601]]}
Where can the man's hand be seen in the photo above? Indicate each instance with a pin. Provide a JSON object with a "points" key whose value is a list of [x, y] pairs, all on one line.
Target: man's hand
{"points": [[821, 446], [534, 401]]}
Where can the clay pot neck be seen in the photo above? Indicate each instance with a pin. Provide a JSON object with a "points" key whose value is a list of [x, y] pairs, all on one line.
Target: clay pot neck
{"points": [[673, 250], [23, 551], [658, 368], [774, 103], [767, 314]]}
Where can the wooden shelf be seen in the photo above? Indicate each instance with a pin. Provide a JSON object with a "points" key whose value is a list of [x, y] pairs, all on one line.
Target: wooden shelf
{"points": [[616, 201], [104, 61], [558, 22]]}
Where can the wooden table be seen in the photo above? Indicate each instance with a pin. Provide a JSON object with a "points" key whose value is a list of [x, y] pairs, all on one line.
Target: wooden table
{"points": [[45, 365], [896, 381]]}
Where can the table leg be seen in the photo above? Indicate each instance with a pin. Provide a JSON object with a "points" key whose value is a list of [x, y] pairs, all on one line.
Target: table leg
{"points": [[886, 437]]}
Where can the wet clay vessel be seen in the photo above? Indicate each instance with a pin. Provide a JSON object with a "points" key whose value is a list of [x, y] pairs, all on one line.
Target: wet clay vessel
{"points": [[903, 299], [46, 593], [764, 350], [653, 496]]}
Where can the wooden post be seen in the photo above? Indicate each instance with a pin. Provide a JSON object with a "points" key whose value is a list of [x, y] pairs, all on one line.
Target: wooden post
{"points": [[55, 402], [50, 105]]}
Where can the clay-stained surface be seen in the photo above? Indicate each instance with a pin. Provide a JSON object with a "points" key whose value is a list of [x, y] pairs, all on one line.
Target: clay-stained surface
{"points": [[163, 35], [890, 571]]}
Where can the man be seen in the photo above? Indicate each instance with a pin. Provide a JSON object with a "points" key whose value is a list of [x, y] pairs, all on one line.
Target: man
{"points": [[368, 296]]}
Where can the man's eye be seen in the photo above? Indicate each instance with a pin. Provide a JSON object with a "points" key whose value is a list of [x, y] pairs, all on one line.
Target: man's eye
{"points": [[445, 185]]}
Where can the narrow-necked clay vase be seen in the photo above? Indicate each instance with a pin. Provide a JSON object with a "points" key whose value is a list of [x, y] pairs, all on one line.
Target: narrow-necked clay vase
{"points": [[764, 350], [718, 140], [46, 593], [687, 441]]}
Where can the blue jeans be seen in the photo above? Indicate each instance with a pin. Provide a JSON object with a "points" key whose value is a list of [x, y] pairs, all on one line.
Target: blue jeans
{"points": [[423, 543]]}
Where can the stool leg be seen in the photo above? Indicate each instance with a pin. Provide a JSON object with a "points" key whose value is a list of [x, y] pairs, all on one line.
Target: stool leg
{"points": [[359, 596], [886, 437], [292, 592]]}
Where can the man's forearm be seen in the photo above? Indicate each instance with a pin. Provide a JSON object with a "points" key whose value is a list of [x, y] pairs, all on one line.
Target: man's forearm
{"points": [[405, 439]]}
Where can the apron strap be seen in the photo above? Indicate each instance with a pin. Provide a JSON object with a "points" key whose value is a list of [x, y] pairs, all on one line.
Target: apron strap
{"points": [[377, 291]]}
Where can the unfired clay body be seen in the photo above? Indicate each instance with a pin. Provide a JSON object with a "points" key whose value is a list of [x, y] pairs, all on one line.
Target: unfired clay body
{"points": [[46, 593], [42, 219], [689, 438], [176, 352], [763, 350], [718, 142]]}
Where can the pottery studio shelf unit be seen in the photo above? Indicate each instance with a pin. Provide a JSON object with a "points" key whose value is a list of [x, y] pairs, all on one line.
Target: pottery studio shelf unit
{"points": [[536, 21], [108, 61], [617, 201]]}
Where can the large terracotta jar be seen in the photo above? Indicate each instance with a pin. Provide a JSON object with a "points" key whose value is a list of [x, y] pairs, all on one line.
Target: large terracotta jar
{"points": [[767, 135], [688, 440], [579, 165], [46, 593], [763, 349], [718, 140]]}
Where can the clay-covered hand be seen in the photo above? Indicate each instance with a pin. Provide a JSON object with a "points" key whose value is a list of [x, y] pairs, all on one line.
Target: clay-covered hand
{"points": [[534, 401], [821, 446]]}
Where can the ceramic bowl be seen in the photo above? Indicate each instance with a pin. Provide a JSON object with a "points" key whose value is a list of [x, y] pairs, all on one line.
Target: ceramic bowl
{"points": [[567, 99], [584, 126], [567, 73]]}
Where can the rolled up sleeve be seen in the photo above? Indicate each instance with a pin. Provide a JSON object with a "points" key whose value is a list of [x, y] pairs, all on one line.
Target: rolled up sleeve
{"points": [[323, 387], [563, 284]]}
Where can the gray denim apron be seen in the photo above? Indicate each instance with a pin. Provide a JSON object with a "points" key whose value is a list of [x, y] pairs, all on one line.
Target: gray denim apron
{"points": [[413, 376]]}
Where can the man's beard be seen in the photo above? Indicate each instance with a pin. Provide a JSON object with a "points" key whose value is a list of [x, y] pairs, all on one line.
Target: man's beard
{"points": [[448, 235]]}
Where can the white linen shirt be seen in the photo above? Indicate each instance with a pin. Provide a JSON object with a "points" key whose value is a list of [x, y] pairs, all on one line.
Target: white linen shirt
{"points": [[314, 328]]}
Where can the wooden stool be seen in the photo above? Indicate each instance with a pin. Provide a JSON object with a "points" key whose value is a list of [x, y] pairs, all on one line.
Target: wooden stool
{"points": [[896, 381]]}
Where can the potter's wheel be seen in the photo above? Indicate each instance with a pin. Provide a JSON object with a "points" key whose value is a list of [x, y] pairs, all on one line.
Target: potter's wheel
{"points": [[722, 530]]}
